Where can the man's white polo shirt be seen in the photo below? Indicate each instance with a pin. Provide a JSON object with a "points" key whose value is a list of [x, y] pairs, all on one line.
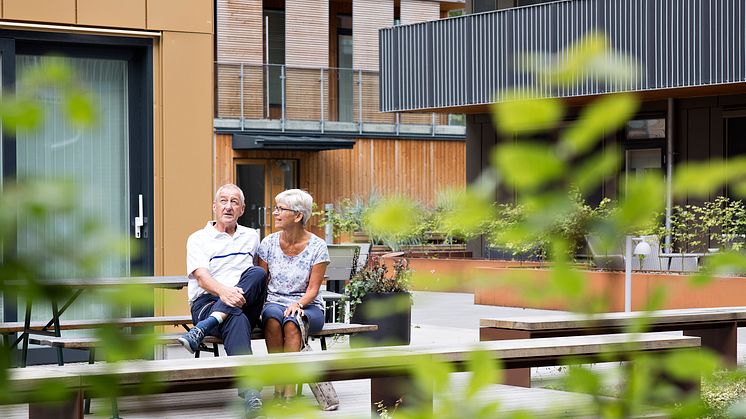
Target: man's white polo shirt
{"points": [[223, 255]]}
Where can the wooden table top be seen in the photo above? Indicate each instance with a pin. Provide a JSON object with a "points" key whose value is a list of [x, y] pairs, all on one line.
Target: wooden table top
{"points": [[574, 320]]}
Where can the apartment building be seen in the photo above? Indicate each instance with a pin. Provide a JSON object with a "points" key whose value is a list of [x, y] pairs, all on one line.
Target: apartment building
{"points": [[691, 76], [297, 105]]}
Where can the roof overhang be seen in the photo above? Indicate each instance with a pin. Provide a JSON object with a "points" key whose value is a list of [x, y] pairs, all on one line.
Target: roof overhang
{"points": [[290, 143]]}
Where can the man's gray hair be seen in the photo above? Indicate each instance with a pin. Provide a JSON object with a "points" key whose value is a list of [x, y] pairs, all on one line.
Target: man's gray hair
{"points": [[230, 186], [297, 200]]}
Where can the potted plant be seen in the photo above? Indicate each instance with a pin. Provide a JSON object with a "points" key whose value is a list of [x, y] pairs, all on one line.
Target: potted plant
{"points": [[377, 296]]}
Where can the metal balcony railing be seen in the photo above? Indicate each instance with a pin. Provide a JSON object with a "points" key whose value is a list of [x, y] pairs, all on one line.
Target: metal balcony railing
{"points": [[282, 97]]}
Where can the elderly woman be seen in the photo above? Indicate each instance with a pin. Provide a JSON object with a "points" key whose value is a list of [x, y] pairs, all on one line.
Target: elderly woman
{"points": [[296, 260]]}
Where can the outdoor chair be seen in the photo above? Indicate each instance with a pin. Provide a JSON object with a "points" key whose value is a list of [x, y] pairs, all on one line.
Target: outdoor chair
{"points": [[362, 258], [612, 258], [343, 258], [605, 256]]}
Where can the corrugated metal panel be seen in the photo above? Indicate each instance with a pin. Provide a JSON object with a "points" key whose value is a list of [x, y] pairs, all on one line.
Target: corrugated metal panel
{"points": [[474, 59]]}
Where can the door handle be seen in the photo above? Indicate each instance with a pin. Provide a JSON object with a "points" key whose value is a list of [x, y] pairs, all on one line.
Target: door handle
{"points": [[259, 216], [140, 219], [264, 215]]}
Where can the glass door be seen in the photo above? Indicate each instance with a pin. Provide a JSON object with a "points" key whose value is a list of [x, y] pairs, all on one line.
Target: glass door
{"points": [[261, 180], [109, 162], [346, 89]]}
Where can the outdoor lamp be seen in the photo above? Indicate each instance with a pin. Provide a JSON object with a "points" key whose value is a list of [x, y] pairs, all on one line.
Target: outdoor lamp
{"points": [[642, 249]]}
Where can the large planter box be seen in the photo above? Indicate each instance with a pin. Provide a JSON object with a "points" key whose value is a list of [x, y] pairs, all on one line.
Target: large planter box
{"points": [[678, 289], [455, 275]]}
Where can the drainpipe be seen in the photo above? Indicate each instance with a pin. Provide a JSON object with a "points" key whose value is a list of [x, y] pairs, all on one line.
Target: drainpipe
{"points": [[669, 171], [240, 86]]}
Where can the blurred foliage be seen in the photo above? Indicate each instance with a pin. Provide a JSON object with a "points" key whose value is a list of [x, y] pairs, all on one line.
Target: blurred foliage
{"points": [[550, 182], [60, 236]]}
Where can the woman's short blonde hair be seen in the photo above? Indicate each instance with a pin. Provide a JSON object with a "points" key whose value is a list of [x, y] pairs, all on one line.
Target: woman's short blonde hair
{"points": [[297, 200]]}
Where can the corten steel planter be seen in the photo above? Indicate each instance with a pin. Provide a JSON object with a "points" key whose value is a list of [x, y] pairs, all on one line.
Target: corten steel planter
{"points": [[454, 275], [679, 291], [391, 311]]}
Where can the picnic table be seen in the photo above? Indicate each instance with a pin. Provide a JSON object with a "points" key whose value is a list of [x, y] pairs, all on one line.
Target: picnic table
{"points": [[717, 328], [389, 369], [78, 286], [51, 329]]}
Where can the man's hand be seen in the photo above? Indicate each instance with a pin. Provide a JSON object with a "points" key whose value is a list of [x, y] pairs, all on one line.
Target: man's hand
{"points": [[233, 296]]}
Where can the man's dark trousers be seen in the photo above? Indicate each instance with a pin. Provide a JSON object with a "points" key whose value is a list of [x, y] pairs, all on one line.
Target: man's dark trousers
{"points": [[235, 331]]}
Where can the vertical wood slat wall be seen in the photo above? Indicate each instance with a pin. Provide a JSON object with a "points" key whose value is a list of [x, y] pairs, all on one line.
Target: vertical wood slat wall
{"points": [[414, 11], [368, 16], [240, 39], [418, 169]]}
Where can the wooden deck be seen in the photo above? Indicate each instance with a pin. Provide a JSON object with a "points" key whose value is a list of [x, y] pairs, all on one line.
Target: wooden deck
{"points": [[354, 401]]}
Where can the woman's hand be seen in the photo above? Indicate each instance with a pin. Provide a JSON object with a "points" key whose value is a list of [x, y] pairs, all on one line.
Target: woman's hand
{"points": [[294, 309]]}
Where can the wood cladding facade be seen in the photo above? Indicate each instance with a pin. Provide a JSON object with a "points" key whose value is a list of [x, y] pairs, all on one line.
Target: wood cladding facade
{"points": [[368, 16], [418, 169], [414, 11], [307, 33], [240, 33]]}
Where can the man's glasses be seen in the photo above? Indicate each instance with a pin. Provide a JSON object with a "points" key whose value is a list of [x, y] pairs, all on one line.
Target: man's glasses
{"points": [[278, 209]]}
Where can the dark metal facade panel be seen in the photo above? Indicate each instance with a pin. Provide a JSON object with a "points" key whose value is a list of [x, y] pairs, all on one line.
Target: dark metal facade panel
{"points": [[475, 59]]}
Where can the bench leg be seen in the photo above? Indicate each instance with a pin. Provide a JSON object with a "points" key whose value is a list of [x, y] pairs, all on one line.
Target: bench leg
{"points": [[71, 409], [115, 409], [520, 377], [87, 402], [398, 390], [723, 340]]}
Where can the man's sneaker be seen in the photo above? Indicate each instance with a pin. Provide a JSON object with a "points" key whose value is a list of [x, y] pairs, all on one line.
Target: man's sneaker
{"points": [[192, 339], [253, 407]]}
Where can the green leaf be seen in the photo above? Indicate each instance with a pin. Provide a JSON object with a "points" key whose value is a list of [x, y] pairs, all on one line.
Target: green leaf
{"points": [[582, 380], [20, 114], [699, 179], [484, 372], [80, 107], [691, 365], [525, 112], [595, 170], [527, 166], [606, 114], [392, 219], [465, 212], [642, 203]]}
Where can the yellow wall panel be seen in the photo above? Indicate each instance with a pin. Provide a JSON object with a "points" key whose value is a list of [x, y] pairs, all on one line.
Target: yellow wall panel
{"points": [[49, 11], [180, 15], [187, 142], [115, 13]]}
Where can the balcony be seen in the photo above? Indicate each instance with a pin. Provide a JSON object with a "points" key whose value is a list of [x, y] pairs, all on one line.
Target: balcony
{"points": [[283, 98], [471, 60]]}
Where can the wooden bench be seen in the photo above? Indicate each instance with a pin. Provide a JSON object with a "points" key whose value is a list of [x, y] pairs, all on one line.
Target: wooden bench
{"points": [[388, 368], [90, 343], [717, 327]]}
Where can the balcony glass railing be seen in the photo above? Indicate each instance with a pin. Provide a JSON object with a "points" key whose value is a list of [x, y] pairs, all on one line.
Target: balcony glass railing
{"points": [[271, 96]]}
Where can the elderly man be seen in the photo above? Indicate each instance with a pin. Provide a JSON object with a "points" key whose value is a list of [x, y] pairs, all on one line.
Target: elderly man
{"points": [[226, 290]]}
